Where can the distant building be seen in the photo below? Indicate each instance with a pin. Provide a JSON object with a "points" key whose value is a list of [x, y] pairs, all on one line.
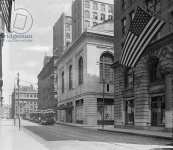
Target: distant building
{"points": [[81, 73], [62, 34], [88, 13], [47, 95], [144, 94], [26, 102]]}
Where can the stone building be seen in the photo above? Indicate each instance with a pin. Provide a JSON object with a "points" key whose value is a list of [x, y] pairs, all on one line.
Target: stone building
{"points": [[5, 21], [24, 100], [62, 34], [88, 13], [144, 94], [84, 75], [47, 95]]}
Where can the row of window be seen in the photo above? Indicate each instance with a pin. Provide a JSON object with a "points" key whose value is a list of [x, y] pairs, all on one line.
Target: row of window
{"points": [[96, 16], [27, 95], [96, 6], [70, 75], [153, 71]]}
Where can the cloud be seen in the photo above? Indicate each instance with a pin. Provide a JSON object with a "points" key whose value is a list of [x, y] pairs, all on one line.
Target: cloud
{"points": [[37, 48]]}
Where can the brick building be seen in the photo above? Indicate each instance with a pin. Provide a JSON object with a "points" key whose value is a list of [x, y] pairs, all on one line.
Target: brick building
{"points": [[144, 94], [62, 34], [80, 73], [87, 13], [24, 100], [47, 96]]}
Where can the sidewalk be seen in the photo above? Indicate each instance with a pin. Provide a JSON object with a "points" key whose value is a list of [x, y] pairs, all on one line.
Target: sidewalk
{"points": [[148, 133], [13, 139]]}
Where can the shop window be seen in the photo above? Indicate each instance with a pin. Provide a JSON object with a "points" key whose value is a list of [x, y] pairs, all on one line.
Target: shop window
{"points": [[95, 15], [106, 71], [102, 17]]}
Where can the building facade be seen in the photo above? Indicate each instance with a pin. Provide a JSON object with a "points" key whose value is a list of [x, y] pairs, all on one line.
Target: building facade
{"points": [[88, 13], [62, 34], [143, 94], [85, 78], [47, 95], [5, 21], [24, 101]]}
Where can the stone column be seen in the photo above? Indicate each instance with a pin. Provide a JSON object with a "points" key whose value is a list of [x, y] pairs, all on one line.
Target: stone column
{"points": [[119, 117], [90, 110], [169, 101]]}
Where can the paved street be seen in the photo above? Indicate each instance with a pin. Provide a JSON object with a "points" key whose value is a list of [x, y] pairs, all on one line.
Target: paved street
{"points": [[69, 133], [33, 136]]}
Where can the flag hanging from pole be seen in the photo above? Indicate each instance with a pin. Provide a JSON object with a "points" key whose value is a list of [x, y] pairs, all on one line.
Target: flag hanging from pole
{"points": [[142, 29]]}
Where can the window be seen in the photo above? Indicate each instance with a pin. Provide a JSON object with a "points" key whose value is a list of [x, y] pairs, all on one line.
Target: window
{"points": [[95, 5], [110, 17], [87, 24], [68, 36], [132, 14], [102, 17], [67, 27], [102, 7], [87, 14], [110, 9], [70, 77], [106, 71], [129, 78], [80, 70], [95, 15], [67, 43], [94, 23], [124, 4], [124, 26], [154, 70], [62, 82], [87, 4]]}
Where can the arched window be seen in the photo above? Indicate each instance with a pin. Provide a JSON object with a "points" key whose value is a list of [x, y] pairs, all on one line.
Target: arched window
{"points": [[80, 70], [63, 82], [154, 71], [70, 77], [106, 71]]}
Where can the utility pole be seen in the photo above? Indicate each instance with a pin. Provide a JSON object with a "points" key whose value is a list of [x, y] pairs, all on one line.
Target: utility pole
{"points": [[103, 101], [18, 86]]}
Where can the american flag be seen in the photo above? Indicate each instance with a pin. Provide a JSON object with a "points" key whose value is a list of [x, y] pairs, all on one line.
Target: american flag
{"points": [[142, 29]]}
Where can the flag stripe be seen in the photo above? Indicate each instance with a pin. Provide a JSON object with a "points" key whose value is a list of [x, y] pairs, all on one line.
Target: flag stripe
{"points": [[129, 48], [131, 51], [129, 42], [147, 35], [146, 43]]}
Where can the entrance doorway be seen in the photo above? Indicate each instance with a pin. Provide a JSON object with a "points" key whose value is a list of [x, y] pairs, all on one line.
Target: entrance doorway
{"points": [[158, 111], [129, 111]]}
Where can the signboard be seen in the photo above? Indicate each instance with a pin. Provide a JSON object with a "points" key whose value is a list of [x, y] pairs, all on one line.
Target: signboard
{"points": [[6, 7]]}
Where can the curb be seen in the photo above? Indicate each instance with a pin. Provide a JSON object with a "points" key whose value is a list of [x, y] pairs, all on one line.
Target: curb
{"points": [[137, 134]]}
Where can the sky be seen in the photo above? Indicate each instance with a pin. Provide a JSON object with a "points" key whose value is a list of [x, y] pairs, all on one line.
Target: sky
{"points": [[26, 57]]}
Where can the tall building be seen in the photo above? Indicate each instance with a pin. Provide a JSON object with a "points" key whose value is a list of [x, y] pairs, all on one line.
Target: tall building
{"points": [[24, 101], [144, 94], [85, 78], [62, 34], [47, 95], [5, 21], [88, 13]]}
